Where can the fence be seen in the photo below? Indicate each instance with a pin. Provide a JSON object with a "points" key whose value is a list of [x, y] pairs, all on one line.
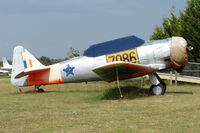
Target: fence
{"points": [[190, 74], [192, 69]]}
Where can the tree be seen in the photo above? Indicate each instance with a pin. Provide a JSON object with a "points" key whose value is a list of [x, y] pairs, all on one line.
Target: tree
{"points": [[170, 27], [73, 53], [190, 22], [45, 60], [54, 61], [186, 25]]}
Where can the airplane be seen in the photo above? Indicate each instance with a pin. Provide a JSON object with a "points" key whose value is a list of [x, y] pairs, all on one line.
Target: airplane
{"points": [[115, 60], [3, 71], [6, 65]]}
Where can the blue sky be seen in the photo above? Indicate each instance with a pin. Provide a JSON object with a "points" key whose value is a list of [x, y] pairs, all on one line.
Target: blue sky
{"points": [[51, 27]]}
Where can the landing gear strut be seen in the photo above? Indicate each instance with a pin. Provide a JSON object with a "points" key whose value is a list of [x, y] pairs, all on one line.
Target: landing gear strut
{"points": [[38, 89], [158, 87], [118, 86]]}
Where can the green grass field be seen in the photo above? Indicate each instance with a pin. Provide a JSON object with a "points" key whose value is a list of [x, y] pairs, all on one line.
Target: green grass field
{"points": [[96, 107]]}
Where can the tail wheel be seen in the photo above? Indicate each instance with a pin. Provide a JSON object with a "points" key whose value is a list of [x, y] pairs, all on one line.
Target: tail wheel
{"points": [[40, 90], [158, 89]]}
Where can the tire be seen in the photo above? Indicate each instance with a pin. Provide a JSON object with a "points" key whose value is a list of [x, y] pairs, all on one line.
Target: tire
{"points": [[158, 89], [40, 90]]}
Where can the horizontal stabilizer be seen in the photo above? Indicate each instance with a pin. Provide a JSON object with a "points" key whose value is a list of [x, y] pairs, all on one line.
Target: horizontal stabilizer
{"points": [[32, 71], [125, 70]]}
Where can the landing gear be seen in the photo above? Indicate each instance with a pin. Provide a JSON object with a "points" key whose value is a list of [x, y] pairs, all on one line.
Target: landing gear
{"points": [[38, 89], [118, 86], [20, 90], [158, 87]]}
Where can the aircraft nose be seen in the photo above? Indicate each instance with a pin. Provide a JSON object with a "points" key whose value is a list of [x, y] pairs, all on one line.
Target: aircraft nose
{"points": [[178, 51]]}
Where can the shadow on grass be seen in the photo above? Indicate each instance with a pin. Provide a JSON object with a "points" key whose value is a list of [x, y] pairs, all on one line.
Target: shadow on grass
{"points": [[34, 92], [128, 92], [172, 92]]}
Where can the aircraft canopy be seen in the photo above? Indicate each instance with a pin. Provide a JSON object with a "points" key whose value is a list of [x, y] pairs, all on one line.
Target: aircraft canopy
{"points": [[113, 46]]}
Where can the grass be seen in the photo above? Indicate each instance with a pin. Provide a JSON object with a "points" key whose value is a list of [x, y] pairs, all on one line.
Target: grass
{"points": [[96, 107]]}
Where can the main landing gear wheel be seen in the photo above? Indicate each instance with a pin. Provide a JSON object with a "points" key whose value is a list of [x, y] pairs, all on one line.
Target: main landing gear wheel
{"points": [[158, 89], [158, 86]]}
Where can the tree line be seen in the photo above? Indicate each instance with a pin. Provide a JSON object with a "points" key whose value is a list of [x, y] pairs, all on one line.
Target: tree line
{"points": [[186, 25], [48, 61]]}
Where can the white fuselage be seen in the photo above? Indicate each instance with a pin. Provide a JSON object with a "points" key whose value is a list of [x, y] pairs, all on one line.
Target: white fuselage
{"points": [[155, 55]]}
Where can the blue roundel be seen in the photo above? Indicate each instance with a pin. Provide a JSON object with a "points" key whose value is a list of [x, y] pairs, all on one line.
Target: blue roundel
{"points": [[69, 70]]}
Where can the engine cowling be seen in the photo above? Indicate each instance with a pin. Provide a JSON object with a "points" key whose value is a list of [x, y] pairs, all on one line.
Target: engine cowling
{"points": [[178, 53]]}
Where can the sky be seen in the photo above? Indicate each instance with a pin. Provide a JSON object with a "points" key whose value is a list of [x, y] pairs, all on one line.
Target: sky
{"points": [[51, 27]]}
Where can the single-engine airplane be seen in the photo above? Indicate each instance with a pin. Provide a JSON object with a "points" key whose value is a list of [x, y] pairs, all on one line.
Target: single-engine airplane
{"points": [[114, 60], [3, 71], [6, 65], [6, 69]]}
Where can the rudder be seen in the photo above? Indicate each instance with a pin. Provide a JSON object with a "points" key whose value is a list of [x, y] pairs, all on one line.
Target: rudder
{"points": [[5, 63], [29, 60], [22, 60]]}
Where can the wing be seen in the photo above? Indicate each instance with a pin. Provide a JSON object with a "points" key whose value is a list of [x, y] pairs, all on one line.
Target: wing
{"points": [[3, 71], [125, 70]]}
